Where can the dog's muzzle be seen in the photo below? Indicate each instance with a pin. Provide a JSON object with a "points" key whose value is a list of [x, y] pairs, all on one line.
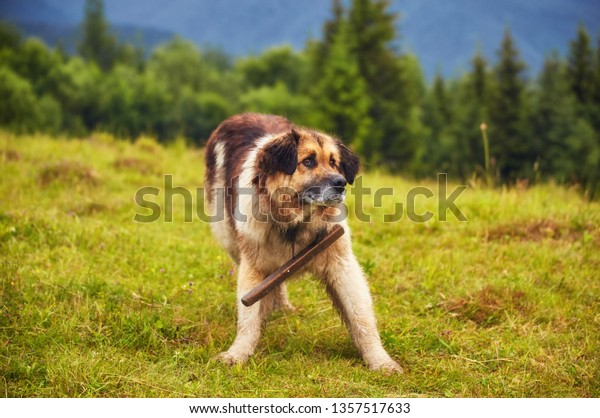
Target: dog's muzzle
{"points": [[328, 192]]}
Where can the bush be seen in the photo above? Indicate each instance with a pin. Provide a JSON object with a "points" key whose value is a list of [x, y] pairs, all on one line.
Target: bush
{"points": [[18, 108], [277, 100]]}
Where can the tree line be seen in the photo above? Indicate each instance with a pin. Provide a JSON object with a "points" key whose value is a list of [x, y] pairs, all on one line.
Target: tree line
{"points": [[354, 82]]}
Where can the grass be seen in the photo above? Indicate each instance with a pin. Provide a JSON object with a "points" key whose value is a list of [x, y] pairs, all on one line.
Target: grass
{"points": [[93, 304]]}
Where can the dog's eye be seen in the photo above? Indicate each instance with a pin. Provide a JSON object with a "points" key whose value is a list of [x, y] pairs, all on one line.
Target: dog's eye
{"points": [[309, 162], [332, 162]]}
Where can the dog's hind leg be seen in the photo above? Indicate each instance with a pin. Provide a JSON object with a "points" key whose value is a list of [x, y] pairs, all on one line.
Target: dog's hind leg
{"points": [[250, 318], [281, 299]]}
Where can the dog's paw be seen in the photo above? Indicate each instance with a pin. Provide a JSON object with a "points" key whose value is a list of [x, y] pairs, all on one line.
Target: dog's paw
{"points": [[287, 307], [231, 359], [388, 368]]}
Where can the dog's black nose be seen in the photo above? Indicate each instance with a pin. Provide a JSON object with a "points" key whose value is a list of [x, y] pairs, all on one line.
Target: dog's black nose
{"points": [[338, 182]]}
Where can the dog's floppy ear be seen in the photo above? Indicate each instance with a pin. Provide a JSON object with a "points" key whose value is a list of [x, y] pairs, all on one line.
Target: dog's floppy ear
{"points": [[281, 154], [349, 163]]}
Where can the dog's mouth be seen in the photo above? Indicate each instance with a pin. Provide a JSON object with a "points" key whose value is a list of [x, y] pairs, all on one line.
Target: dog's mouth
{"points": [[323, 197]]}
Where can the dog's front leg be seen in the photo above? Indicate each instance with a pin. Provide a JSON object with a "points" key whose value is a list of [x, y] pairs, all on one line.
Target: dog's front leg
{"points": [[250, 318], [349, 291]]}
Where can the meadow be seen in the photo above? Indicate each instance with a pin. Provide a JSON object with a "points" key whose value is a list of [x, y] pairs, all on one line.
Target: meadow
{"points": [[93, 304]]}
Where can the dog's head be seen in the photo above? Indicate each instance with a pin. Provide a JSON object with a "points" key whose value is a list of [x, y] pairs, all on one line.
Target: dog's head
{"points": [[315, 166]]}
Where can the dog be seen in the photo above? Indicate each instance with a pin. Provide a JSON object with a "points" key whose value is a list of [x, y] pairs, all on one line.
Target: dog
{"points": [[278, 187]]}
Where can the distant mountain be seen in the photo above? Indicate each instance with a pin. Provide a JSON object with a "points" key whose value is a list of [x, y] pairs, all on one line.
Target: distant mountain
{"points": [[444, 34], [56, 22]]}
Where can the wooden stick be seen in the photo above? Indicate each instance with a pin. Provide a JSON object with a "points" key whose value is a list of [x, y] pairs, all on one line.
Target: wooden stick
{"points": [[291, 266]]}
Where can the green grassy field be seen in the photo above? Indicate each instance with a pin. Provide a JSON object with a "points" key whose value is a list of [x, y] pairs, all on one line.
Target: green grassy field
{"points": [[96, 305]]}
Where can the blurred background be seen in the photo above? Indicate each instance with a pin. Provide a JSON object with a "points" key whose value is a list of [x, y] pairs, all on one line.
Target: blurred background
{"points": [[498, 91]]}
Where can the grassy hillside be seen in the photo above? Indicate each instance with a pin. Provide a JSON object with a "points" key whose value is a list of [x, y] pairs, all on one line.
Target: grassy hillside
{"points": [[94, 304]]}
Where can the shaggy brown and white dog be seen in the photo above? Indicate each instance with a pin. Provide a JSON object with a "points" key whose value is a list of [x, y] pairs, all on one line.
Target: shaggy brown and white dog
{"points": [[279, 186]]}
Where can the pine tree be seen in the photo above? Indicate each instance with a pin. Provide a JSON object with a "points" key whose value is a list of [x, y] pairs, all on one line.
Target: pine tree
{"points": [[554, 118], [509, 138], [10, 38], [441, 100], [98, 44], [341, 97], [580, 69], [479, 84], [595, 100], [320, 50], [583, 73], [470, 111], [373, 33], [437, 147]]}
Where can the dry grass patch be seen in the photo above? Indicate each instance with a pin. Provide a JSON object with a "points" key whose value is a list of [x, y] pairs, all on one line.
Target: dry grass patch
{"points": [[488, 306], [537, 230], [68, 172], [10, 155], [89, 209], [135, 164]]}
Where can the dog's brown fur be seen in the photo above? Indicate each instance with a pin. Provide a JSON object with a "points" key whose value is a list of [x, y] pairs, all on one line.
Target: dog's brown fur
{"points": [[273, 181]]}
